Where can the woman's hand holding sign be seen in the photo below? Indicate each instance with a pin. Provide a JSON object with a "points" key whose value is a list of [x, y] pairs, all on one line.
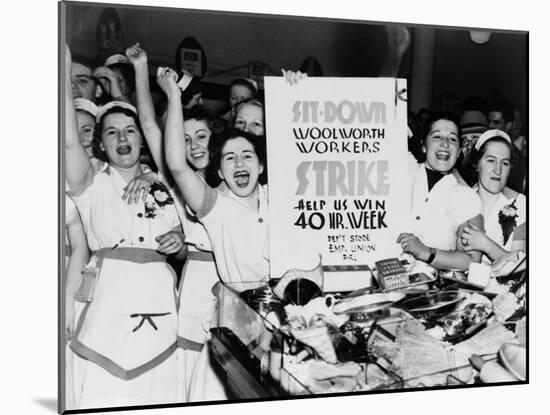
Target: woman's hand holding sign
{"points": [[293, 77]]}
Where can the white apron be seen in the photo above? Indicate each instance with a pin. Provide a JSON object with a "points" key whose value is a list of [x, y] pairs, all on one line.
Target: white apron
{"points": [[197, 305], [127, 335]]}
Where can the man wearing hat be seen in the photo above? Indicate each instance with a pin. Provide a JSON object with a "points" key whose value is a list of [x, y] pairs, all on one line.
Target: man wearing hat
{"points": [[473, 123]]}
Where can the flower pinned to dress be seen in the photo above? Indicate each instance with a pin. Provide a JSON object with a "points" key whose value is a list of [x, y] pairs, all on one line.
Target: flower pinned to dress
{"points": [[507, 220], [159, 196]]}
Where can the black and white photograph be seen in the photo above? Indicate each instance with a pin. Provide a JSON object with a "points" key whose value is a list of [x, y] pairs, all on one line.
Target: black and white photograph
{"points": [[274, 206], [261, 207]]}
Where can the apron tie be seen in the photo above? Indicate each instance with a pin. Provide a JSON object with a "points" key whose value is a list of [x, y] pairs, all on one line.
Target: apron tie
{"points": [[146, 317]]}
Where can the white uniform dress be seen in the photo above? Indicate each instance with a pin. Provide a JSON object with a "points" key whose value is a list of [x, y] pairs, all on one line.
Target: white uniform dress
{"points": [[435, 215], [238, 235], [127, 335], [513, 213], [71, 215], [196, 308]]}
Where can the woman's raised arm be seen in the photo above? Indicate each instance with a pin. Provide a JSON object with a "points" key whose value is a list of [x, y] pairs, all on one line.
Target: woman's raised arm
{"points": [[146, 110], [76, 160], [192, 188]]}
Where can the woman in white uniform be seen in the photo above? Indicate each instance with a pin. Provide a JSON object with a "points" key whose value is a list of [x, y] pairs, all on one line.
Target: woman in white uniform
{"points": [[441, 204], [504, 210], [235, 219], [199, 274], [126, 335]]}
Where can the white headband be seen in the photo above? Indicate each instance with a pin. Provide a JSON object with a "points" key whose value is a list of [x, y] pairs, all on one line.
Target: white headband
{"points": [[250, 81], [487, 135], [83, 104], [114, 59], [118, 104]]}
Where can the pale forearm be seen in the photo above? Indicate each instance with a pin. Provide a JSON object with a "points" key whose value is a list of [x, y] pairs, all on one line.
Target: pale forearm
{"points": [[494, 250], [146, 108], [175, 150], [78, 259], [192, 188], [454, 259], [146, 113]]}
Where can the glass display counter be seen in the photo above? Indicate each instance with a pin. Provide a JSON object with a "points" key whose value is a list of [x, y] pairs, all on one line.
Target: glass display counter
{"points": [[335, 344]]}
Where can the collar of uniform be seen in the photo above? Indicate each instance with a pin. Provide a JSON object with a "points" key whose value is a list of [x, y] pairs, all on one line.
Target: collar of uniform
{"points": [[447, 177], [262, 198]]}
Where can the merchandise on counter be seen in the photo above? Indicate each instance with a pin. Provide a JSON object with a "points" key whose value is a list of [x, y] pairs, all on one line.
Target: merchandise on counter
{"points": [[314, 276], [321, 377], [514, 358], [432, 306], [487, 341], [420, 359], [504, 306]]}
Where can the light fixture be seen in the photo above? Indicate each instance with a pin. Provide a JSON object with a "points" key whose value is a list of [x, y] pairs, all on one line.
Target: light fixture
{"points": [[480, 37]]}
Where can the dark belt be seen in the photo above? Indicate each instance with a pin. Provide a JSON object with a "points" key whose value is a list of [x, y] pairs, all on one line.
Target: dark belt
{"points": [[203, 256], [137, 255]]}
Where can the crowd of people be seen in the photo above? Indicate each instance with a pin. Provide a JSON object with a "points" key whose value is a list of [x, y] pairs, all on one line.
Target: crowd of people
{"points": [[166, 199]]}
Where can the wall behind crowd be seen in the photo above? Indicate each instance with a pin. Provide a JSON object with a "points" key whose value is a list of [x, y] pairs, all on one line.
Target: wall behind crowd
{"points": [[468, 69], [461, 68]]}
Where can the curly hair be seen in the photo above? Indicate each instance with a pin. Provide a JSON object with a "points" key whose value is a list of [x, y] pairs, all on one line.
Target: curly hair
{"points": [[98, 130], [200, 113], [217, 144], [216, 125]]}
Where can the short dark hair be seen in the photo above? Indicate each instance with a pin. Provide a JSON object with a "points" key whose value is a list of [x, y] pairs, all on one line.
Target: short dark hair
{"points": [[311, 66], [201, 113], [218, 141], [96, 143], [84, 60], [448, 116]]}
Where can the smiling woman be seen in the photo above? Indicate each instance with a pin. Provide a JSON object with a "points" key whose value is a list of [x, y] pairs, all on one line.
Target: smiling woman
{"points": [[235, 216], [118, 359], [240, 161], [440, 203]]}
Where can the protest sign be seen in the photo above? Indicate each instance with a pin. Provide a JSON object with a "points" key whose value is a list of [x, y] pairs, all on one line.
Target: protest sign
{"points": [[337, 164]]}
